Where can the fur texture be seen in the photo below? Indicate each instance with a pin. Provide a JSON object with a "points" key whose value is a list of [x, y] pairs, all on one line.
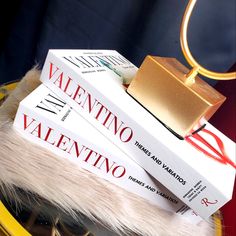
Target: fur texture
{"points": [[36, 170]]}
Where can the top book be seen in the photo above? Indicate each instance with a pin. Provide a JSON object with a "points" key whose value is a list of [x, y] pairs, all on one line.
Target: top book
{"points": [[195, 169]]}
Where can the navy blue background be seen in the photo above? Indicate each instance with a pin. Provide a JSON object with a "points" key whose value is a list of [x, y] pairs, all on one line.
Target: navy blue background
{"points": [[135, 28]]}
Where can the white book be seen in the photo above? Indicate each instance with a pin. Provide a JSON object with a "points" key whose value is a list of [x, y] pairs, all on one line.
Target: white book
{"points": [[45, 119], [91, 82]]}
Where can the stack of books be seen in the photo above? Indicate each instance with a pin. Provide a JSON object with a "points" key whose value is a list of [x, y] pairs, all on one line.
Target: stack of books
{"points": [[82, 112]]}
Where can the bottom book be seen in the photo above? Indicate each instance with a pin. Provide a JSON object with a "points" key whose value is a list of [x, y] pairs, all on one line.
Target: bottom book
{"points": [[45, 119]]}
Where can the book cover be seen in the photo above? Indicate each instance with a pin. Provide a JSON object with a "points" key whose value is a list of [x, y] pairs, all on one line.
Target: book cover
{"points": [[195, 170], [45, 119]]}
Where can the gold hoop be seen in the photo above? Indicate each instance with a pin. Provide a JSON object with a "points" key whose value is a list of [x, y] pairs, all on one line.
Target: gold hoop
{"points": [[184, 45]]}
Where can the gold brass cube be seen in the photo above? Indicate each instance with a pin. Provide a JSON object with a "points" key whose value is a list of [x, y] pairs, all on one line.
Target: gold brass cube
{"points": [[160, 85]]}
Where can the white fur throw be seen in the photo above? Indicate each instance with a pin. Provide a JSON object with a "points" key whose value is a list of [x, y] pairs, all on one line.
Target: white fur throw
{"points": [[36, 170]]}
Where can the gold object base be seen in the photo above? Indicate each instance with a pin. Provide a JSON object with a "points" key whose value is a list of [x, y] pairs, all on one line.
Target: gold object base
{"points": [[161, 86]]}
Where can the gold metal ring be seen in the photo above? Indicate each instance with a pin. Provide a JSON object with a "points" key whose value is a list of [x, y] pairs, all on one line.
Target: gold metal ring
{"points": [[184, 45]]}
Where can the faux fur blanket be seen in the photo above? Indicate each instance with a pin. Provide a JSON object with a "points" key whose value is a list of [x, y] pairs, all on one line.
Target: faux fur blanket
{"points": [[67, 186]]}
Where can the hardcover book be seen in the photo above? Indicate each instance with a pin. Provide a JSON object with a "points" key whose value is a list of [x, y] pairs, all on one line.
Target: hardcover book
{"points": [[196, 169], [42, 117]]}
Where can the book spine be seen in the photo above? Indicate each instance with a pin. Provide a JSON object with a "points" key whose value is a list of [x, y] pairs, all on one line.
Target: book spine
{"points": [[185, 182], [120, 171]]}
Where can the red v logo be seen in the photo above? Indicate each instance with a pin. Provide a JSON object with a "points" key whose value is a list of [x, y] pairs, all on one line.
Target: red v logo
{"points": [[220, 156], [51, 72]]}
